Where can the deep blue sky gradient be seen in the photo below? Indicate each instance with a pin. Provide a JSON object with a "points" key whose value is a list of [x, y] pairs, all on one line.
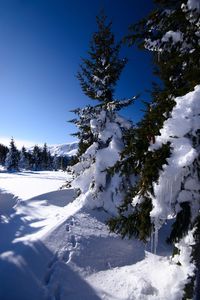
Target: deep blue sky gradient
{"points": [[41, 45]]}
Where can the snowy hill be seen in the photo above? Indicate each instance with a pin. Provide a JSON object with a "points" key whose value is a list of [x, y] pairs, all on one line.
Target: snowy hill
{"points": [[69, 149], [63, 149]]}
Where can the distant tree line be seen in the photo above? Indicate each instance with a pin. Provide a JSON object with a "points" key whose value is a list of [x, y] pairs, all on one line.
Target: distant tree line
{"points": [[36, 160]]}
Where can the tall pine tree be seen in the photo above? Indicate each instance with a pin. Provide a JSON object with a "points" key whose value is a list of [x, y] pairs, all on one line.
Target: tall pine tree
{"points": [[101, 129]]}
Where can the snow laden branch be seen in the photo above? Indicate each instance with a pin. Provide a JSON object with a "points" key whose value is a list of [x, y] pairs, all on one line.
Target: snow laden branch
{"points": [[98, 188], [179, 182]]}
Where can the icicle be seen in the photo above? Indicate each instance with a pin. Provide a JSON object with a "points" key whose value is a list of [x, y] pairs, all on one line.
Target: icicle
{"points": [[151, 240], [155, 239]]}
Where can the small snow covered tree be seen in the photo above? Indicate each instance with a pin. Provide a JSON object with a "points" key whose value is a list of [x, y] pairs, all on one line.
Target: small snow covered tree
{"points": [[169, 166], [23, 161], [12, 157], [101, 129]]}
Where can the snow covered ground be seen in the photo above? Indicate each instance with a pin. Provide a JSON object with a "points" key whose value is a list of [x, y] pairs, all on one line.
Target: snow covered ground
{"points": [[29, 184], [54, 248]]}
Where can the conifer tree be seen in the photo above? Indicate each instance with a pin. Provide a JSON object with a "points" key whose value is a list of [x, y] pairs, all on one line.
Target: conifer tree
{"points": [[36, 158], [45, 158], [101, 129], [30, 160], [49, 164], [56, 165], [171, 32], [3, 152], [12, 157], [23, 161]]}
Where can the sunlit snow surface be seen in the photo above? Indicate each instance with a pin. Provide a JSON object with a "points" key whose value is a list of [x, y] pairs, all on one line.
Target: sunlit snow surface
{"points": [[53, 248], [29, 184]]}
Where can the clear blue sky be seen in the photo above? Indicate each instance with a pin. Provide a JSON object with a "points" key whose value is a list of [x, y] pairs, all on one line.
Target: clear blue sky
{"points": [[41, 45]]}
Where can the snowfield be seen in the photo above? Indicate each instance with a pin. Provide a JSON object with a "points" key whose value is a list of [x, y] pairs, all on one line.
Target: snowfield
{"points": [[54, 248], [28, 184]]}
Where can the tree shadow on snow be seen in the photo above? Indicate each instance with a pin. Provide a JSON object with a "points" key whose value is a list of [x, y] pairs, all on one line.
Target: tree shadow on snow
{"points": [[58, 198], [29, 270], [7, 203], [12, 225], [32, 272]]}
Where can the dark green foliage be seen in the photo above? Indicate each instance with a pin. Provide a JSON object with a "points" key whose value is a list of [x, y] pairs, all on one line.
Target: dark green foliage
{"points": [[98, 75], [137, 223], [178, 69], [153, 163], [45, 159], [181, 224], [176, 65], [36, 158], [189, 289], [40, 158], [3, 152], [85, 135], [100, 72], [73, 160], [24, 159], [193, 286]]}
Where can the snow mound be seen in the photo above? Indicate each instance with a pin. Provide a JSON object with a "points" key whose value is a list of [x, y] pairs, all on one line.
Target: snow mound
{"points": [[153, 278]]}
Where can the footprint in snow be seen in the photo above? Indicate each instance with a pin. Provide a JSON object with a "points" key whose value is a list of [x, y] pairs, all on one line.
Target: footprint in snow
{"points": [[73, 241], [66, 256], [72, 222], [67, 228]]}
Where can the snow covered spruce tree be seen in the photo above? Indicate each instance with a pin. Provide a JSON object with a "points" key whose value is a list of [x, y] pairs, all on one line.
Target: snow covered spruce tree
{"points": [[100, 127], [23, 160], [12, 157], [169, 165]]}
